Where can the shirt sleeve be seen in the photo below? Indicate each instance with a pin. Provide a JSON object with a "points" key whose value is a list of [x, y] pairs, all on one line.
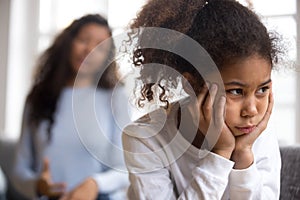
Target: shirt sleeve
{"points": [[111, 180], [262, 179], [150, 179], [23, 177]]}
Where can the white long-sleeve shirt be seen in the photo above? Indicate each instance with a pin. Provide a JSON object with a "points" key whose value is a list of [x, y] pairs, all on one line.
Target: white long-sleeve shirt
{"points": [[85, 142], [163, 165]]}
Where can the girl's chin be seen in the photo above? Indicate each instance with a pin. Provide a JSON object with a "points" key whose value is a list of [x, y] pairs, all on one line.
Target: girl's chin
{"points": [[237, 133]]}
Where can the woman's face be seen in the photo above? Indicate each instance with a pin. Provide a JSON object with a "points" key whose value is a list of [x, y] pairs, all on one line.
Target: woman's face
{"points": [[85, 63], [247, 85]]}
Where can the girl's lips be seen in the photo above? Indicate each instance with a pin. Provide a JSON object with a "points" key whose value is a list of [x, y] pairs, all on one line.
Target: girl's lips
{"points": [[247, 129]]}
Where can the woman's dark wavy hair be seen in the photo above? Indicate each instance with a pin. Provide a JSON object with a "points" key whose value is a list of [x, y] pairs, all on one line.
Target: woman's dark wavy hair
{"points": [[54, 71], [227, 30]]}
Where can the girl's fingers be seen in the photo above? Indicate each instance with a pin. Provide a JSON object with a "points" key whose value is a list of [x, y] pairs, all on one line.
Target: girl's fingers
{"points": [[201, 98], [263, 124], [203, 93], [216, 127], [219, 111], [207, 107], [212, 108]]}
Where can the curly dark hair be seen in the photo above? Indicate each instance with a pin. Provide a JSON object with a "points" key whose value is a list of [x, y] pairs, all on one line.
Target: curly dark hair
{"points": [[227, 30], [54, 71]]}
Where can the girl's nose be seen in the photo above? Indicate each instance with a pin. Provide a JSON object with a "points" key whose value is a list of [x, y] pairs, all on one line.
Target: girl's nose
{"points": [[249, 108]]}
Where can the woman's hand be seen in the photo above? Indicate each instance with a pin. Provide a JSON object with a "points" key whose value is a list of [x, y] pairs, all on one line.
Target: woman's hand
{"points": [[242, 154], [212, 124], [44, 184], [87, 190]]}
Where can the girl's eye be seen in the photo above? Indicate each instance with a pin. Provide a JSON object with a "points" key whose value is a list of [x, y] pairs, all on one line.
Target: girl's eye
{"points": [[235, 91], [263, 90]]}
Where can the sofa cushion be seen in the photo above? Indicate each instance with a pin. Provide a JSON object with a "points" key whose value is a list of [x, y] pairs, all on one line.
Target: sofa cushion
{"points": [[7, 156], [290, 172]]}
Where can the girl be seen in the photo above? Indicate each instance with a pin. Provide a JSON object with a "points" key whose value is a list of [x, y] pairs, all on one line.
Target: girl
{"points": [[210, 145], [52, 161]]}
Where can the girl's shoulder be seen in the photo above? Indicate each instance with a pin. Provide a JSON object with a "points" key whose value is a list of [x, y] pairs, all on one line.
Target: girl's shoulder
{"points": [[147, 125], [155, 120]]}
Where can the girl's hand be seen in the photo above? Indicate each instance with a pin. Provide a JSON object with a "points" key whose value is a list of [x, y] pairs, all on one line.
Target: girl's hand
{"points": [[242, 154], [44, 184], [87, 190], [212, 124]]}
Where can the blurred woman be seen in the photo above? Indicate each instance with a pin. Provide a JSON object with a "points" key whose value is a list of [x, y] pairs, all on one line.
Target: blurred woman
{"points": [[54, 159]]}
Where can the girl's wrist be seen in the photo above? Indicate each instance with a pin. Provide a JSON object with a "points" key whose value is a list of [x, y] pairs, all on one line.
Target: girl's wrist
{"points": [[224, 153], [242, 158]]}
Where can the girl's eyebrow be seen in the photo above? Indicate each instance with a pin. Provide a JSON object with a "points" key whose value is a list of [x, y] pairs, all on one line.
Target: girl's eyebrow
{"points": [[245, 85], [265, 83]]}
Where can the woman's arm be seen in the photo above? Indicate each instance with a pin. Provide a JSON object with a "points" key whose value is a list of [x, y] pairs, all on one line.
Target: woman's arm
{"points": [[24, 177], [31, 177]]}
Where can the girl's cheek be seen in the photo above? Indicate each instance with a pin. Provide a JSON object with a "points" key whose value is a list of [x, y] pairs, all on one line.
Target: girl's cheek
{"points": [[230, 111], [265, 105]]}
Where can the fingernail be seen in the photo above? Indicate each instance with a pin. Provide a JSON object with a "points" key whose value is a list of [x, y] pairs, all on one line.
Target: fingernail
{"points": [[214, 86], [223, 99]]}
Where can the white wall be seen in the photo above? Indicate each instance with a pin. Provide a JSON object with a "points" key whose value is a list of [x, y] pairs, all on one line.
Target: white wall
{"points": [[4, 24], [22, 41]]}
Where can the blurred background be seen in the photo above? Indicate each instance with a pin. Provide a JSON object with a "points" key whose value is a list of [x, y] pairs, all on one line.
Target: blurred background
{"points": [[28, 27]]}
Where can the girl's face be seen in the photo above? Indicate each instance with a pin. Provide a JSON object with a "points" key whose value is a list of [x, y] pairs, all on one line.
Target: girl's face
{"points": [[247, 85], [87, 39]]}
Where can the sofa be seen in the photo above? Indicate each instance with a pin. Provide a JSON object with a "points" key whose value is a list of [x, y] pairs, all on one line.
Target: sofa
{"points": [[290, 172], [7, 154]]}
